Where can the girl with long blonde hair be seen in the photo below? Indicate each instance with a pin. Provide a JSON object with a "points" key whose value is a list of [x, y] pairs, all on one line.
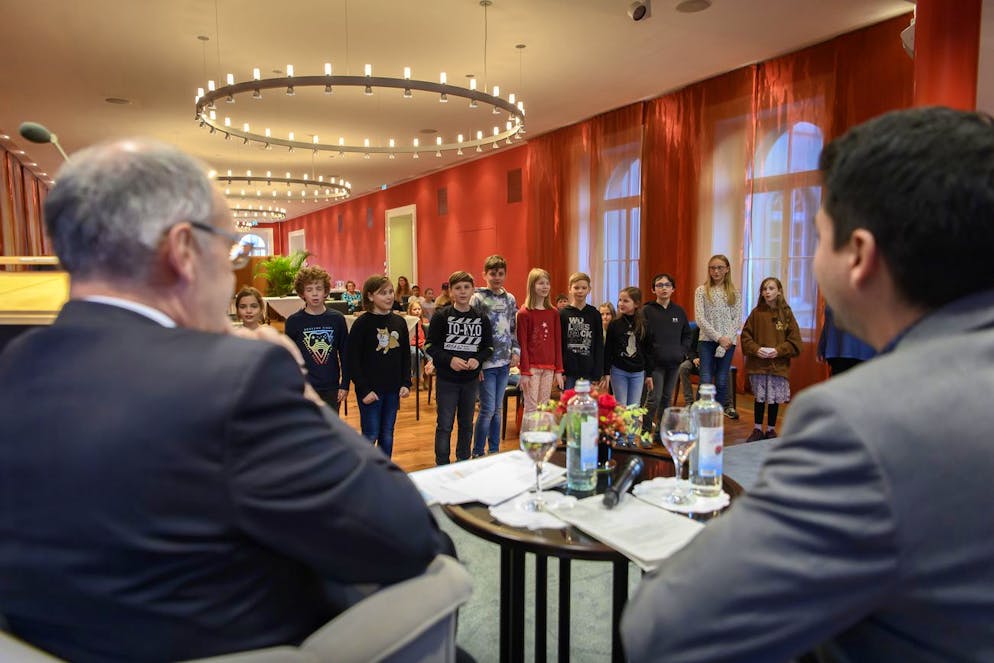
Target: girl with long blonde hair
{"points": [[718, 314], [540, 337]]}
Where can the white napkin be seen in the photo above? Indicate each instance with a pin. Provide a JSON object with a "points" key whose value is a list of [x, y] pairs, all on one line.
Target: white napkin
{"points": [[512, 512], [655, 492]]}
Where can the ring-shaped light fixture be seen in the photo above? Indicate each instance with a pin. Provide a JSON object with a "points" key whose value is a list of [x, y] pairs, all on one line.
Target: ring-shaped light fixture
{"points": [[263, 213], [514, 126], [298, 189]]}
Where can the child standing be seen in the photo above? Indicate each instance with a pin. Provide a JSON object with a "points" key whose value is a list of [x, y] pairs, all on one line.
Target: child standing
{"points": [[671, 345], [250, 307], [770, 337], [628, 350], [321, 334], [583, 337], [379, 362], [459, 341], [540, 338], [718, 314], [500, 307]]}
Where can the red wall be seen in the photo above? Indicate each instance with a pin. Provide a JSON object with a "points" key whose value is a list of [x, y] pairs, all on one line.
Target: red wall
{"points": [[479, 223]]}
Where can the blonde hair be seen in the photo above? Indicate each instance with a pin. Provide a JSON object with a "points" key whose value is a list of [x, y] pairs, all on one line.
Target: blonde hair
{"points": [[533, 276], [578, 276], [726, 283]]}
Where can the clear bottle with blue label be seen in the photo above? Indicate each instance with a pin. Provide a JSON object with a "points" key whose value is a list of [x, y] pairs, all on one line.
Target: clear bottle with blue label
{"points": [[705, 459], [581, 440]]}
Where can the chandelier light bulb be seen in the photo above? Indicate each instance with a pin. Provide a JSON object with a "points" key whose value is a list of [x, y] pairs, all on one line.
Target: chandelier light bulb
{"points": [[268, 133], [231, 79], [407, 73], [365, 142], [316, 140], [341, 140], [438, 140], [291, 138], [442, 78], [227, 121], [256, 74], [210, 86], [368, 68], [245, 127], [289, 71], [327, 69], [391, 142], [200, 93], [510, 98], [472, 84]]}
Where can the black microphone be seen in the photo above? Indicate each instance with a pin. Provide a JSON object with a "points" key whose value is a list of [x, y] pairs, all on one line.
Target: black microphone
{"points": [[37, 133], [624, 482]]}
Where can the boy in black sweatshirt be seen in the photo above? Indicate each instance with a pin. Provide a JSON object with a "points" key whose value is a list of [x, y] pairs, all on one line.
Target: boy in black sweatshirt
{"points": [[670, 346], [459, 341], [583, 338]]}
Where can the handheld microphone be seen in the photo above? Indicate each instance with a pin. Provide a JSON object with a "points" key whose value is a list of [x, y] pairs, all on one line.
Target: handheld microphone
{"points": [[624, 482], [37, 133]]}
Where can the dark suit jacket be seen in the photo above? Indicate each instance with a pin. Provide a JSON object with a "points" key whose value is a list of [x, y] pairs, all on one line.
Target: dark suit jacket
{"points": [[870, 523], [168, 493]]}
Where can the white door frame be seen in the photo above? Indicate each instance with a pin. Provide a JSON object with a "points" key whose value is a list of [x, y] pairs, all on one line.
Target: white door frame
{"points": [[402, 211], [293, 234]]}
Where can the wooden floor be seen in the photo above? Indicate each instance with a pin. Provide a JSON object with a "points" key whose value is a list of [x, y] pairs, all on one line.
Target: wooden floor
{"points": [[414, 440]]}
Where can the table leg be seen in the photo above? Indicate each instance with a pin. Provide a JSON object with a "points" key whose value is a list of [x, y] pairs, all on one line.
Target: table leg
{"points": [[541, 608], [620, 597], [564, 603], [516, 639]]}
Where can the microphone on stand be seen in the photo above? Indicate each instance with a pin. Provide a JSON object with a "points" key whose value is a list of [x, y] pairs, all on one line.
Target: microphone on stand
{"points": [[37, 133]]}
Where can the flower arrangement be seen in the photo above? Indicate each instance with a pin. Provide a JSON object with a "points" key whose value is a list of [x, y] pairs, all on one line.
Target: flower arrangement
{"points": [[616, 424]]}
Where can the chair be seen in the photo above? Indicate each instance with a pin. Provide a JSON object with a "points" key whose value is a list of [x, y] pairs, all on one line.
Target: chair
{"points": [[412, 621], [510, 390]]}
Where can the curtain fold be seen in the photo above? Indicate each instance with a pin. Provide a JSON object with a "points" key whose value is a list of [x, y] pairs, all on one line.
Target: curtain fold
{"points": [[22, 196]]}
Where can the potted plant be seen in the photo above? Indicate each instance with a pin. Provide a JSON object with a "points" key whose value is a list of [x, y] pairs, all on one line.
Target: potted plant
{"points": [[280, 271]]}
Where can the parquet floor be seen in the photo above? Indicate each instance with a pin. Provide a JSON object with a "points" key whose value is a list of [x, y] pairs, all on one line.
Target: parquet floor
{"points": [[414, 440]]}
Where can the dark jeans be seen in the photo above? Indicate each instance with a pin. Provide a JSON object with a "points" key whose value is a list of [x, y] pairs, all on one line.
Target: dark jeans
{"points": [[454, 399], [842, 364], [714, 370], [661, 397], [378, 418]]}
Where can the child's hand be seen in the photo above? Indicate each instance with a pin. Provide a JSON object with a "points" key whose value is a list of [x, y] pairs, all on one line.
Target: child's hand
{"points": [[370, 398], [472, 364], [458, 364], [560, 382], [404, 392]]}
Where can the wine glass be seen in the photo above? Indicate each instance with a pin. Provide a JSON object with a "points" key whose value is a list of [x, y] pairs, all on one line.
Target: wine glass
{"points": [[680, 432], [539, 435]]}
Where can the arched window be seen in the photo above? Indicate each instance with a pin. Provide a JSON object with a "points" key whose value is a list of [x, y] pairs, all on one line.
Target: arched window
{"points": [[779, 211], [258, 244], [622, 227]]}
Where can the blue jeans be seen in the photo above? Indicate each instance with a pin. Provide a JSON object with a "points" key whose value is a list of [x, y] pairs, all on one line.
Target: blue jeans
{"points": [[452, 399], [378, 418], [714, 370], [491, 405], [627, 386]]}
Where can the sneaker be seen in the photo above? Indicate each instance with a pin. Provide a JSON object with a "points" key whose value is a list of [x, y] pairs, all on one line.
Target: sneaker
{"points": [[731, 413], [770, 434], [756, 434]]}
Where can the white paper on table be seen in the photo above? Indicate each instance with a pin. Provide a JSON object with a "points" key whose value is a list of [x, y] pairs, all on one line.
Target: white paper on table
{"points": [[489, 480], [645, 534]]}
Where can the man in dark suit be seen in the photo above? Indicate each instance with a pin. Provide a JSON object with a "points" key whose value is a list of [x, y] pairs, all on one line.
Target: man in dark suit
{"points": [[166, 490], [869, 531]]}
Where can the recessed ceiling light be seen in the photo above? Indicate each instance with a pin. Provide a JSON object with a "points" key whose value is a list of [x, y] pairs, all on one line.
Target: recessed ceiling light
{"points": [[692, 6], [117, 100]]}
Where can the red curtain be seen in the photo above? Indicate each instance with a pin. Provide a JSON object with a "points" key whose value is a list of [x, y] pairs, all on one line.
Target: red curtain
{"points": [[21, 197]]}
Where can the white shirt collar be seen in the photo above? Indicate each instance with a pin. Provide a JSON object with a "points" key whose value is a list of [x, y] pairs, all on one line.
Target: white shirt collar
{"points": [[141, 309]]}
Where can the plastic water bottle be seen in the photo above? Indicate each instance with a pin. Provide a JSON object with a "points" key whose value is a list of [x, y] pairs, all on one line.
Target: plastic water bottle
{"points": [[581, 440], [705, 459]]}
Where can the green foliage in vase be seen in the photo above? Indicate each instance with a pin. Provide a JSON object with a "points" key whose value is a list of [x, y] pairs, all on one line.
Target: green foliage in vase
{"points": [[280, 271]]}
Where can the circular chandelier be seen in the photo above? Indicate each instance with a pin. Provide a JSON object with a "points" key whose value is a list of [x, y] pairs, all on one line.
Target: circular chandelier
{"points": [[251, 215], [297, 189], [490, 133]]}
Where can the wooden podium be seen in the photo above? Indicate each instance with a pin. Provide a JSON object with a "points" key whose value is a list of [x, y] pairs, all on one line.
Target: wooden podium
{"points": [[29, 299]]}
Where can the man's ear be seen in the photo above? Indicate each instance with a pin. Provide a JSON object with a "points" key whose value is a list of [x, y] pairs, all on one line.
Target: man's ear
{"points": [[180, 252], [864, 258]]}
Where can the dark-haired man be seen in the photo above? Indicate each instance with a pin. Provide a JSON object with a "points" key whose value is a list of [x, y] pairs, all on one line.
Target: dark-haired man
{"points": [[868, 532]]}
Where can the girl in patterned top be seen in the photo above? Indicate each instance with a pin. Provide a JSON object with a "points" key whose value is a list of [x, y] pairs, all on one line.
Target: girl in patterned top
{"points": [[718, 312]]}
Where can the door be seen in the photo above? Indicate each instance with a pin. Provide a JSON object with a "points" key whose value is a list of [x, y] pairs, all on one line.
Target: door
{"points": [[401, 234]]}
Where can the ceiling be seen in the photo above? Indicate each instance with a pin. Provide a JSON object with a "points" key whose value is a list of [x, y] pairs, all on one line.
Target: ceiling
{"points": [[63, 60]]}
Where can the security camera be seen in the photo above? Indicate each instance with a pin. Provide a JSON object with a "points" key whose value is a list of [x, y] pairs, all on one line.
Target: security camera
{"points": [[639, 10]]}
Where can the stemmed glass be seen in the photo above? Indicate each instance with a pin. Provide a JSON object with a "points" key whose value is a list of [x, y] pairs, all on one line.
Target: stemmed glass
{"points": [[539, 435], [680, 433]]}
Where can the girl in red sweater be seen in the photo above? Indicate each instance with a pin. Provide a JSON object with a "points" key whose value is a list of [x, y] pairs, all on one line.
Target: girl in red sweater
{"points": [[540, 338]]}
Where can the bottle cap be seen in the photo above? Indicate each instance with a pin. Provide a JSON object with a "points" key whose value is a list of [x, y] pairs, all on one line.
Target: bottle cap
{"points": [[707, 389], [582, 386]]}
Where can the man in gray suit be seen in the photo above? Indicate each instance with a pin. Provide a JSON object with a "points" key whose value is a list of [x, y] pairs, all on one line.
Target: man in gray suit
{"points": [[869, 532]]}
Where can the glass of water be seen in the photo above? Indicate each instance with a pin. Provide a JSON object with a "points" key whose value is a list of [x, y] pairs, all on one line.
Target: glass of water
{"points": [[539, 435], [680, 433]]}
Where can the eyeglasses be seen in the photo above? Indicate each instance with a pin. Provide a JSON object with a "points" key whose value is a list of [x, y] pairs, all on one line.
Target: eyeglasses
{"points": [[664, 284], [719, 268], [240, 250]]}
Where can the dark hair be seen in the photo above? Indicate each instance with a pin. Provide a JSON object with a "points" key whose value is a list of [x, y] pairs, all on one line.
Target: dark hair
{"points": [[249, 291], [372, 285], [663, 275], [309, 275], [494, 262], [921, 181], [635, 294], [459, 277], [562, 297]]}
